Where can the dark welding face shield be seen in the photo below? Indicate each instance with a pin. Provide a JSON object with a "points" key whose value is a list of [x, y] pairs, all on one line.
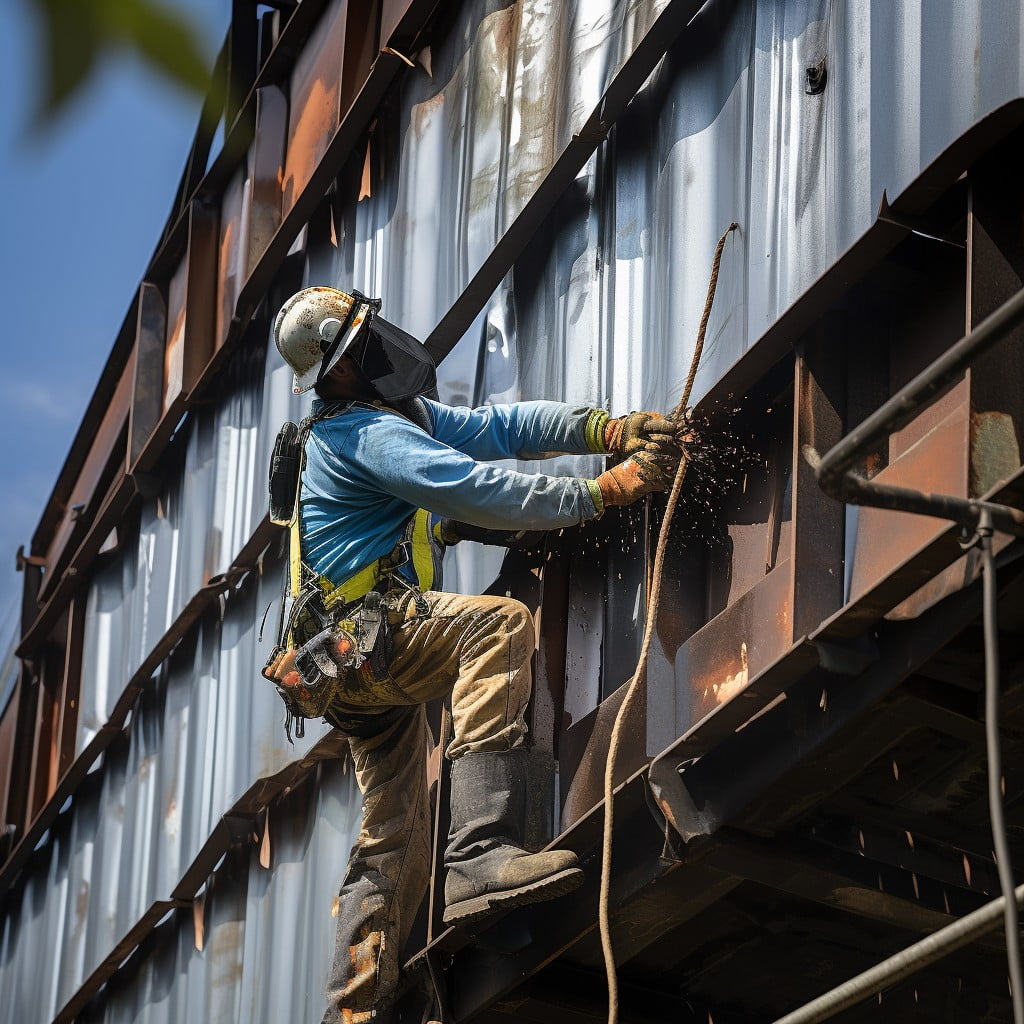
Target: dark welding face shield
{"points": [[395, 363]]}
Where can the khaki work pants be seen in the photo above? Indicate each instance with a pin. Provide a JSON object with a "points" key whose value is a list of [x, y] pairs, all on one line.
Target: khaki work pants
{"points": [[478, 650]]}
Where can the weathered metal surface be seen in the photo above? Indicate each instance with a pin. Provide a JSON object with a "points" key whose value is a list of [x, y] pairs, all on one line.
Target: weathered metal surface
{"points": [[937, 463], [560, 320], [87, 493], [583, 753], [547, 703], [263, 203], [174, 345], [232, 252], [191, 308], [392, 13], [818, 522], [362, 44], [314, 100], [147, 388], [718, 662]]}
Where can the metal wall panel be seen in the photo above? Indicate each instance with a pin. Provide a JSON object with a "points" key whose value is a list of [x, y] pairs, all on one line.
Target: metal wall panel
{"points": [[268, 933]]}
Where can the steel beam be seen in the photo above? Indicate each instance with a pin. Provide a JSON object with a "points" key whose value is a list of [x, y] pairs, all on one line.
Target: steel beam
{"points": [[699, 797]]}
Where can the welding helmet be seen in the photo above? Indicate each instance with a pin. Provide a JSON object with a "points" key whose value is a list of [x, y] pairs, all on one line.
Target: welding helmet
{"points": [[319, 325], [315, 328], [395, 363]]}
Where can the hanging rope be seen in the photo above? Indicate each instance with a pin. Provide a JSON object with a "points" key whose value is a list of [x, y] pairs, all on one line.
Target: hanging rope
{"points": [[634, 682]]}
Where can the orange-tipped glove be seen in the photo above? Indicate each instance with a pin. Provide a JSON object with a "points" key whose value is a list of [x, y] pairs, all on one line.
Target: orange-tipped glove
{"points": [[625, 435], [649, 469]]}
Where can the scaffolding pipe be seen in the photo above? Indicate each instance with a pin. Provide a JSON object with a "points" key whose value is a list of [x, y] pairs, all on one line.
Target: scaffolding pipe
{"points": [[906, 962], [835, 469], [995, 767]]}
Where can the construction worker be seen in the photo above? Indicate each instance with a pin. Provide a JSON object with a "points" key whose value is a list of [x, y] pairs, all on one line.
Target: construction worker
{"points": [[388, 477]]}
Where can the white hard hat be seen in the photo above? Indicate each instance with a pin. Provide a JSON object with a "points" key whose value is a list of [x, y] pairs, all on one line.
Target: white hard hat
{"points": [[315, 326]]}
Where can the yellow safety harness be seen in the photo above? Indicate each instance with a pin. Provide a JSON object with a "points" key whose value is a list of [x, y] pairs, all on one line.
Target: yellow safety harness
{"points": [[419, 545], [419, 552]]}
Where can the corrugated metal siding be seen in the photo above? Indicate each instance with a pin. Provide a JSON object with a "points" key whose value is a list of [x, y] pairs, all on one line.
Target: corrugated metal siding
{"points": [[603, 309]]}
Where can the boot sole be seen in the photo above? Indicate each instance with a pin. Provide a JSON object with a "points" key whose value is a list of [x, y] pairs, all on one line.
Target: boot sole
{"points": [[559, 884]]}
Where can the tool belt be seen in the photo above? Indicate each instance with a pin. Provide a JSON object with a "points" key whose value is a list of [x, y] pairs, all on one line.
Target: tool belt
{"points": [[351, 650], [337, 638]]}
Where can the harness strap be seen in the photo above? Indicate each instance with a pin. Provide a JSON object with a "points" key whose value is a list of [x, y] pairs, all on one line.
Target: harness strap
{"points": [[417, 549], [420, 548]]}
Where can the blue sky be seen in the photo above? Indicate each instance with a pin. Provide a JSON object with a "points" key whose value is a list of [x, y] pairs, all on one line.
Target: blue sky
{"points": [[84, 202]]}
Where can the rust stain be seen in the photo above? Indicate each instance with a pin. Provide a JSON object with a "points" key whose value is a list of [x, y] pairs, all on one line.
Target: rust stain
{"points": [[735, 682], [421, 113], [363, 959], [995, 452], [313, 129], [225, 947]]}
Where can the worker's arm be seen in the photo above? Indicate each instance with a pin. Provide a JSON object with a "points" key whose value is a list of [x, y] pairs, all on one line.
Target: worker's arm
{"points": [[389, 454], [521, 430]]}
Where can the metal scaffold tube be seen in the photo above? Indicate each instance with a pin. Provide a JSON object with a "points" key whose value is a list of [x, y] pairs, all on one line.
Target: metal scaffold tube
{"points": [[995, 765], [906, 962]]}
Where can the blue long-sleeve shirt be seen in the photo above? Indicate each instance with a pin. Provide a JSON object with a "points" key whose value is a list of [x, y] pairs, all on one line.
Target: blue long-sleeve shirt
{"points": [[369, 469]]}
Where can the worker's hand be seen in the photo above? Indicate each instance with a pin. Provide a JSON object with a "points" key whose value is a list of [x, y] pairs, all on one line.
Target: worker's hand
{"points": [[650, 469], [625, 435]]}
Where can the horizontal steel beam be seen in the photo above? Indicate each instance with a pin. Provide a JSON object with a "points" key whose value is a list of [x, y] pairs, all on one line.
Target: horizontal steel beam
{"points": [[700, 791]]}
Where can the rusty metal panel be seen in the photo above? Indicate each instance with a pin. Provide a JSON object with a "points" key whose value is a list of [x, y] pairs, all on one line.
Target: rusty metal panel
{"points": [[759, 516], [174, 346], [83, 503], [231, 255], [8, 730], [147, 388], [191, 295], [995, 271], [314, 100], [361, 48], [627, 556], [818, 521], [717, 662], [200, 300], [392, 12], [584, 631], [546, 705], [584, 753], [47, 686], [938, 463], [263, 201]]}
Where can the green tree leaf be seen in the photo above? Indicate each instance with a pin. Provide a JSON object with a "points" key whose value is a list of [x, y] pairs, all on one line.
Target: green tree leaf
{"points": [[80, 33]]}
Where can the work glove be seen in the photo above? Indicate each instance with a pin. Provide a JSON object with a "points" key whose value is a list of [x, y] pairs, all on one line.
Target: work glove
{"points": [[625, 435], [649, 469]]}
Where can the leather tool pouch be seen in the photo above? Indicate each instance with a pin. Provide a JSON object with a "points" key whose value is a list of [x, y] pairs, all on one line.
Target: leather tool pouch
{"points": [[350, 654], [309, 677]]}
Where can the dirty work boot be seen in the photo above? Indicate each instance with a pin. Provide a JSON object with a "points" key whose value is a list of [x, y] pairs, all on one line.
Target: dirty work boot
{"points": [[488, 870]]}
